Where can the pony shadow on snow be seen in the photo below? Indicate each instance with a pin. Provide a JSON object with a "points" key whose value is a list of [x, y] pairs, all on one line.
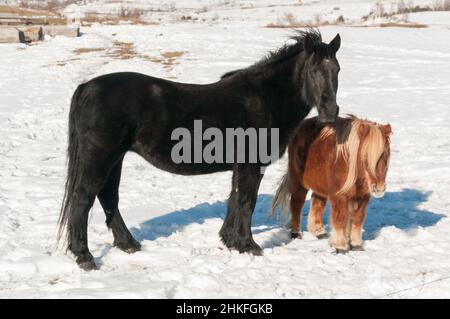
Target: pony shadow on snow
{"points": [[399, 209]]}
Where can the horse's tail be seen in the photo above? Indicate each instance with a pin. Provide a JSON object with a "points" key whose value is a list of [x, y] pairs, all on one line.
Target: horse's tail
{"points": [[282, 196], [72, 166]]}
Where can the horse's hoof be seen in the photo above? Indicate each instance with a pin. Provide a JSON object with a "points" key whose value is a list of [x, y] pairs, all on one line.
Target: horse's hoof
{"points": [[251, 248], [88, 265], [323, 236], [129, 247], [132, 250], [357, 248], [296, 235], [256, 252], [340, 251]]}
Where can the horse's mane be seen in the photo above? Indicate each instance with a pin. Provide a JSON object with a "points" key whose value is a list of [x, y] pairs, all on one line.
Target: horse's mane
{"points": [[285, 52], [352, 149]]}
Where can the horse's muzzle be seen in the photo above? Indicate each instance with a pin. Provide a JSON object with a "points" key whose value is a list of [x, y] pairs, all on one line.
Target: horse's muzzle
{"points": [[326, 118]]}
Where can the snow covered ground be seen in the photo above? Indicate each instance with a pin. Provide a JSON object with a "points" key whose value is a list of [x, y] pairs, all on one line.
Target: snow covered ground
{"points": [[395, 75]]}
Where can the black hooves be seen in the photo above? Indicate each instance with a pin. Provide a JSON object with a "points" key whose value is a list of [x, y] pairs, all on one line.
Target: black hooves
{"points": [[357, 248], [323, 236], [296, 235], [87, 265], [129, 247], [255, 251], [341, 251], [251, 248]]}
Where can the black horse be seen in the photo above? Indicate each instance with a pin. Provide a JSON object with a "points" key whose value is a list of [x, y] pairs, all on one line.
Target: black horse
{"points": [[121, 112]]}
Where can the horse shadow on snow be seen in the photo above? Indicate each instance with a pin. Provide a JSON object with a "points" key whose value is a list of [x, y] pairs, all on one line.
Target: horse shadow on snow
{"points": [[399, 209]]}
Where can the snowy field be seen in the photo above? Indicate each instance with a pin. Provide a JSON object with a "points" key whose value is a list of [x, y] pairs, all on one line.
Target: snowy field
{"points": [[395, 75]]}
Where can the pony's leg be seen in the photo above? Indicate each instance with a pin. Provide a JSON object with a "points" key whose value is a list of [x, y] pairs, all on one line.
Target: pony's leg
{"points": [[109, 199], [298, 196], [93, 170], [359, 215], [315, 216], [340, 223], [236, 230]]}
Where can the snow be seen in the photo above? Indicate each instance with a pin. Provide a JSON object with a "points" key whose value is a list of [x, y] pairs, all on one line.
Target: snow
{"points": [[395, 75]]}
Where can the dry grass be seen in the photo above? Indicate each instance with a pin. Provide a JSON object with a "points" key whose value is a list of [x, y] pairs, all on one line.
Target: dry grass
{"points": [[172, 54], [170, 58], [289, 21], [401, 25], [28, 16], [122, 51], [87, 50], [92, 18], [26, 12], [403, 8], [125, 50]]}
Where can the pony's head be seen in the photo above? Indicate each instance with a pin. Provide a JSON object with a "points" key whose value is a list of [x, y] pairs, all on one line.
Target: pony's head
{"points": [[377, 152], [320, 75], [365, 146]]}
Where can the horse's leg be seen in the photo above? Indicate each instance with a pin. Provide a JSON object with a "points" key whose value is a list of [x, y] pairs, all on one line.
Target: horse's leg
{"points": [[298, 196], [315, 216], [93, 169], [109, 199], [236, 229], [340, 223], [359, 215]]}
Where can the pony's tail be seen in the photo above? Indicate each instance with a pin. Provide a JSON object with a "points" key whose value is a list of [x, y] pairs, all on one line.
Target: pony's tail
{"points": [[282, 196], [72, 167]]}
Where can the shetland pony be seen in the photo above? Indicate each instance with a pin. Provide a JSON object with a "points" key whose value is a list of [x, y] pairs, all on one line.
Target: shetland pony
{"points": [[346, 163], [120, 112]]}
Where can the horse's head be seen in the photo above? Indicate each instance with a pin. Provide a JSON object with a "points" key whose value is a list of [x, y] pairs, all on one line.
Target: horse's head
{"points": [[320, 77], [377, 151]]}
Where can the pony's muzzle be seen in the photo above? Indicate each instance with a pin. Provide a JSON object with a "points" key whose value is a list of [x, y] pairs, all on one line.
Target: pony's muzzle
{"points": [[378, 191]]}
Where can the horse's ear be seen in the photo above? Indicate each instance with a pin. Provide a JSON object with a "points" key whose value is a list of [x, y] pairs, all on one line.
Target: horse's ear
{"points": [[308, 44], [386, 129], [335, 44]]}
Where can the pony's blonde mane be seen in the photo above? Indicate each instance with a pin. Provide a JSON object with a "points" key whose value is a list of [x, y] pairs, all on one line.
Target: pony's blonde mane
{"points": [[352, 149]]}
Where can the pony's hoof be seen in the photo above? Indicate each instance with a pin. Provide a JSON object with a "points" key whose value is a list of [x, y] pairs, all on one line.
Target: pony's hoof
{"points": [[88, 265], [340, 251], [129, 247], [357, 248], [323, 236], [296, 235]]}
